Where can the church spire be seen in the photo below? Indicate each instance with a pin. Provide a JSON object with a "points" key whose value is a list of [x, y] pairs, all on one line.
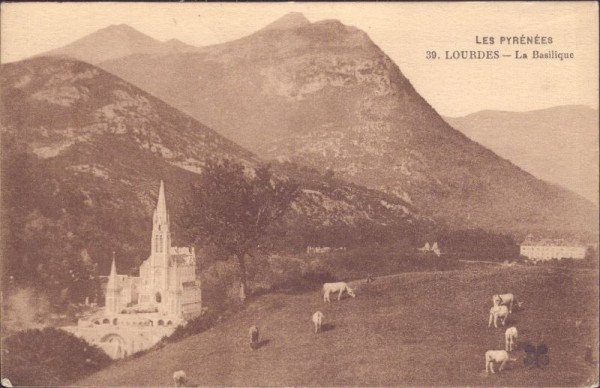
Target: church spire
{"points": [[112, 278], [161, 206], [161, 235]]}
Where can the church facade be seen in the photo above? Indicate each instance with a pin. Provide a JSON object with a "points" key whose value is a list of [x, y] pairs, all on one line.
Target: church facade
{"points": [[140, 310]]}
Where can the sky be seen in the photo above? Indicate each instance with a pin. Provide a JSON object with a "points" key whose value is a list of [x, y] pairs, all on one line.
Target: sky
{"points": [[404, 31]]}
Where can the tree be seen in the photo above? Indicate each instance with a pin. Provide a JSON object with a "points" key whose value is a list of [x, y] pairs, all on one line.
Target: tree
{"points": [[232, 208], [49, 357]]}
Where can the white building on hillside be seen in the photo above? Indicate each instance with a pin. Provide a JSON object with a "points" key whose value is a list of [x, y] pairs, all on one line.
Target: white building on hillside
{"points": [[547, 249], [140, 310]]}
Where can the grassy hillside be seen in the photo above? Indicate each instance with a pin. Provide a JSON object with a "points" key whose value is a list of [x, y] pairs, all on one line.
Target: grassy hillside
{"points": [[408, 329]]}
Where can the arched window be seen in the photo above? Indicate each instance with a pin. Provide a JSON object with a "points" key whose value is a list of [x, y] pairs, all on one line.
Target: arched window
{"points": [[161, 322], [169, 323], [158, 297], [106, 321], [115, 321]]}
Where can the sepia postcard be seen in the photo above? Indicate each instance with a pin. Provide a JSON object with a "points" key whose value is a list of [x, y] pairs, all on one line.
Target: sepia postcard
{"points": [[299, 194]]}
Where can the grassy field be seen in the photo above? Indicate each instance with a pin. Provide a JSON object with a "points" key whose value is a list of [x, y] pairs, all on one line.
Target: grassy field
{"points": [[410, 329]]}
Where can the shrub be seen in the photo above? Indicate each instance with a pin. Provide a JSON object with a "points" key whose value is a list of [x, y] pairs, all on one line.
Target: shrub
{"points": [[194, 326], [49, 357]]}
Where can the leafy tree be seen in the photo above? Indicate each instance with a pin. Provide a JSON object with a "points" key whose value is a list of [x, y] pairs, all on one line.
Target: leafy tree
{"points": [[49, 357], [232, 208]]}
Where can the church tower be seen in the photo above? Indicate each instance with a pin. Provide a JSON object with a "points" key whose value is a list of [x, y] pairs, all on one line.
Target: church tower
{"points": [[113, 291], [174, 293], [161, 246]]}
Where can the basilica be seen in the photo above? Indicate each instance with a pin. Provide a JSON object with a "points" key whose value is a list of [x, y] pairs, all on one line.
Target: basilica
{"points": [[167, 283], [140, 310]]}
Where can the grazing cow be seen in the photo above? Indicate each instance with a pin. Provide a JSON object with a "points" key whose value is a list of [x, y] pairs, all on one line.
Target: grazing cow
{"points": [[317, 319], [498, 312], [511, 335], [492, 356], [254, 334], [179, 378], [329, 288], [506, 300]]}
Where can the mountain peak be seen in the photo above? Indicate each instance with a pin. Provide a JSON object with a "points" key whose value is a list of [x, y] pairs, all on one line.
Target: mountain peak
{"points": [[124, 27], [176, 44], [288, 21], [121, 29], [117, 41]]}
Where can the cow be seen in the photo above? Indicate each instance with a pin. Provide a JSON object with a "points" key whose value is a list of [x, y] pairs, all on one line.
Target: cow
{"points": [[254, 334], [317, 319], [180, 378], [511, 335], [340, 287], [506, 300], [498, 312], [492, 356]]}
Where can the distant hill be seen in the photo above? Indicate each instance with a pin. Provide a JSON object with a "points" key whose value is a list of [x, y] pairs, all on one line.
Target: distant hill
{"points": [[117, 41], [324, 95], [557, 144], [83, 153]]}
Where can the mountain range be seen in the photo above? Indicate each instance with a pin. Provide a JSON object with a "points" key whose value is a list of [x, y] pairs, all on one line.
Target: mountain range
{"points": [[83, 152], [324, 95], [558, 144]]}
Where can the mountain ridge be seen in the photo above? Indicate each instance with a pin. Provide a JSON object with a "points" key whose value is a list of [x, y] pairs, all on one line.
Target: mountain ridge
{"points": [[324, 95], [116, 41], [89, 149], [288, 21], [557, 144], [550, 108]]}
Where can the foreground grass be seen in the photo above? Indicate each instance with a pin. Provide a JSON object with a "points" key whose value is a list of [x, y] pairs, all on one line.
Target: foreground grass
{"points": [[410, 329]]}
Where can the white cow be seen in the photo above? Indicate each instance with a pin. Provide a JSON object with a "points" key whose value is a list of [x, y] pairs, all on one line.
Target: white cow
{"points": [[511, 335], [506, 300], [317, 319], [180, 378], [254, 334], [498, 312], [340, 287], [492, 356]]}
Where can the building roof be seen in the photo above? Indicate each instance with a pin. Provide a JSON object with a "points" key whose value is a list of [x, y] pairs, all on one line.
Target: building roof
{"points": [[558, 242]]}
